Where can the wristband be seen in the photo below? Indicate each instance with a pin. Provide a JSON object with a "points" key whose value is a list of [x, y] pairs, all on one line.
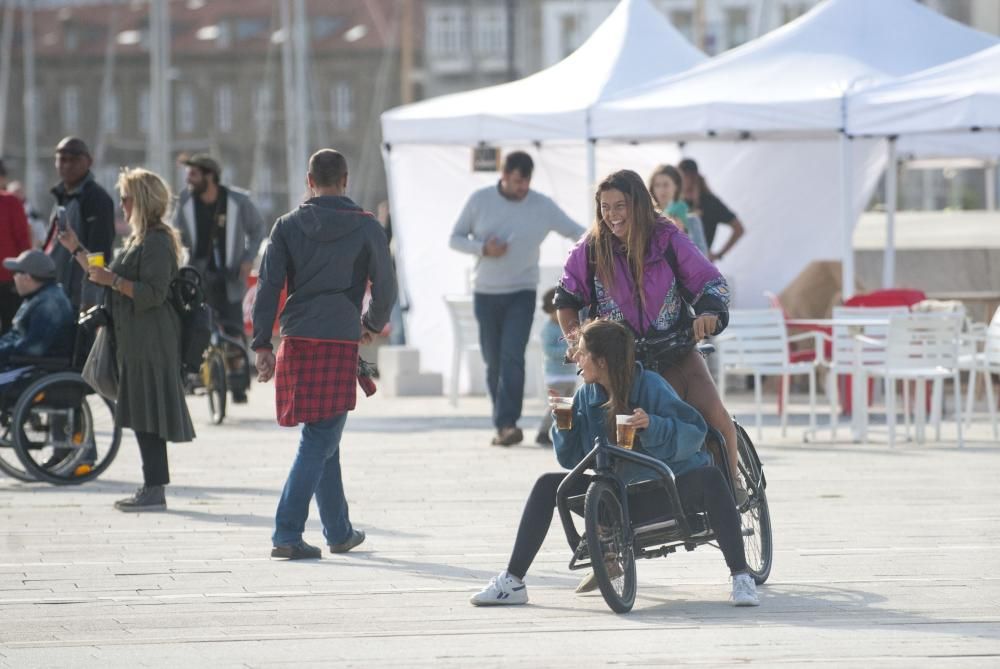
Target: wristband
{"points": [[78, 251], [116, 283]]}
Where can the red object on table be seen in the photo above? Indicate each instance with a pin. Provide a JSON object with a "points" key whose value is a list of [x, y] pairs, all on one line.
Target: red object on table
{"points": [[890, 297]]}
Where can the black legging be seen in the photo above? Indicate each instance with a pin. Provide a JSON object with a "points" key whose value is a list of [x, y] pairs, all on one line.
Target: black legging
{"points": [[702, 489], [153, 450]]}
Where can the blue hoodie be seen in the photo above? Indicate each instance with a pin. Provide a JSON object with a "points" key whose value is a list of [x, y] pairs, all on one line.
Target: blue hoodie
{"points": [[675, 436]]}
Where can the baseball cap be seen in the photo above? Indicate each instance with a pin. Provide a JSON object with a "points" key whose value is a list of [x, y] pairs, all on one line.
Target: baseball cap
{"points": [[32, 262], [73, 146], [204, 162]]}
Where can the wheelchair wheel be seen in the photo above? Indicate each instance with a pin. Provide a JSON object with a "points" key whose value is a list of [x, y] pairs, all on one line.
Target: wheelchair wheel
{"points": [[214, 378], [609, 542], [755, 518], [10, 464], [64, 432]]}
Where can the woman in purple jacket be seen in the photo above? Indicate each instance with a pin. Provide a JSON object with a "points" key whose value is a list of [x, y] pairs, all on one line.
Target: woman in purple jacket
{"points": [[635, 268]]}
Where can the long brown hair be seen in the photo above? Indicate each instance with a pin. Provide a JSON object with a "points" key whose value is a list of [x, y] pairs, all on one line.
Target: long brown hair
{"points": [[613, 343], [643, 214], [671, 173], [151, 200]]}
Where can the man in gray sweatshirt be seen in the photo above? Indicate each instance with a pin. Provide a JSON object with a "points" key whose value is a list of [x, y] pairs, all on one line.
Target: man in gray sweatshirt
{"points": [[504, 226]]}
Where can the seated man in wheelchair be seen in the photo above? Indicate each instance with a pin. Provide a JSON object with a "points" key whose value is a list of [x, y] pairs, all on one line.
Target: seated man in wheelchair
{"points": [[44, 323], [667, 429]]}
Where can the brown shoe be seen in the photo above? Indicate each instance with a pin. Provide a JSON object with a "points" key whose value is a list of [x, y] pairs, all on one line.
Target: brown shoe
{"points": [[508, 436]]}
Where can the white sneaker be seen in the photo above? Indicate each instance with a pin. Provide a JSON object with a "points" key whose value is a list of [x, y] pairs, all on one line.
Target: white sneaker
{"points": [[744, 591], [502, 589]]}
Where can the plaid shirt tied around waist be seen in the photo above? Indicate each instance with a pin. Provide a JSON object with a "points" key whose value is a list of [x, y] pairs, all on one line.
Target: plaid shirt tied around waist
{"points": [[315, 379]]}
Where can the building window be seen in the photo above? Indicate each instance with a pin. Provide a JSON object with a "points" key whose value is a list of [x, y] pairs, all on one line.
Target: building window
{"points": [[70, 108], [142, 122], [224, 108], [737, 26], [110, 113], [342, 105], [447, 31], [491, 31], [683, 20], [569, 33], [793, 10], [187, 111]]}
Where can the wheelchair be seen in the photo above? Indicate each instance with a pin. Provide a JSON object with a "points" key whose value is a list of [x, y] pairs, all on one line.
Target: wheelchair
{"points": [[53, 426], [610, 533]]}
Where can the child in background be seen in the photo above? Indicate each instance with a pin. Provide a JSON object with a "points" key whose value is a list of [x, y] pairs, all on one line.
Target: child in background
{"points": [[560, 376]]}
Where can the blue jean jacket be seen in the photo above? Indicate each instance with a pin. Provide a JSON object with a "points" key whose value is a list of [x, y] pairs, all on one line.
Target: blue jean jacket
{"points": [[43, 326], [675, 436]]}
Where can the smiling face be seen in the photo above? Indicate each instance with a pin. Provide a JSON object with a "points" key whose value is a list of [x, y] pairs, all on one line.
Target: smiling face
{"points": [[616, 212], [664, 190]]}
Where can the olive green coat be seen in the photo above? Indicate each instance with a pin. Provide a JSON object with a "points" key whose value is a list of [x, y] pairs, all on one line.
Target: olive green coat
{"points": [[147, 334]]}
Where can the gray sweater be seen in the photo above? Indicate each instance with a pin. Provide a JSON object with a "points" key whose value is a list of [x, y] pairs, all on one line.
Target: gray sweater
{"points": [[523, 224]]}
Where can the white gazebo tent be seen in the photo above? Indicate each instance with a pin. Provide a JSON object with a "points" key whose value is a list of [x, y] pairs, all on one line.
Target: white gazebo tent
{"points": [[773, 111], [428, 148], [945, 110]]}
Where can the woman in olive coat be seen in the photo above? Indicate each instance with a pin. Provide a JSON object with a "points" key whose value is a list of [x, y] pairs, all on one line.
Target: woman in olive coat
{"points": [[147, 331]]}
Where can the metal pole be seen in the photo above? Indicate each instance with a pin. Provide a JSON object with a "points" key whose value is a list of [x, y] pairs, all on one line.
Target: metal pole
{"points": [[6, 40], [406, 30], [30, 121], [301, 46], [511, 65], [991, 187], [891, 190], [846, 219], [107, 89], [294, 185], [158, 139]]}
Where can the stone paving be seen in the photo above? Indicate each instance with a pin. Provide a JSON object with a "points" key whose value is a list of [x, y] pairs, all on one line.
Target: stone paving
{"points": [[883, 558]]}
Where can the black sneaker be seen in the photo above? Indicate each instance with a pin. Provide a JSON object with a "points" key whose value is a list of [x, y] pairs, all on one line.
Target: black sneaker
{"points": [[356, 539], [298, 551], [146, 498], [239, 397], [543, 439]]}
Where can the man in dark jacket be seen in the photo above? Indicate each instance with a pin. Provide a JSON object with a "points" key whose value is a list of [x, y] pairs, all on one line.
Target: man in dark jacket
{"points": [[328, 250], [89, 210]]}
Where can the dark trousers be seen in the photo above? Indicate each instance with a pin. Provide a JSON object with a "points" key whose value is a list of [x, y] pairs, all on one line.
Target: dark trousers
{"points": [[9, 302], [702, 489], [230, 314], [504, 327], [153, 450]]}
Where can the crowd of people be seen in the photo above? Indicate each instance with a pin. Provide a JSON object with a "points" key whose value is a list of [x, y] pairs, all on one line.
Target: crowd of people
{"points": [[638, 291]]}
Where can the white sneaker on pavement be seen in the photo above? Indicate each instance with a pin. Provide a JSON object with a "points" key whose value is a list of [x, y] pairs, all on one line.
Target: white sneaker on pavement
{"points": [[502, 589], [744, 591]]}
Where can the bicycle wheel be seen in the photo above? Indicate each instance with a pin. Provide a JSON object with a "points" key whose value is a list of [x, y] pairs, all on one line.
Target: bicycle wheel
{"points": [[609, 542], [214, 378], [63, 432], [755, 517]]}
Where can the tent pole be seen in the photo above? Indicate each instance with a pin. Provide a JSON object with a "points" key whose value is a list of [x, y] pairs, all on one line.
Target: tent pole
{"points": [[991, 186], [847, 225], [891, 187], [591, 171]]}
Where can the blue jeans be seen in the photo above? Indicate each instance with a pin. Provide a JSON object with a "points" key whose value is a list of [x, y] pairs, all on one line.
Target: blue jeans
{"points": [[316, 471], [504, 327]]}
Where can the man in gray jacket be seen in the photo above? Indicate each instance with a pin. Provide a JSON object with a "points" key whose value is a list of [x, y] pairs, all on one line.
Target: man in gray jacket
{"points": [[329, 251]]}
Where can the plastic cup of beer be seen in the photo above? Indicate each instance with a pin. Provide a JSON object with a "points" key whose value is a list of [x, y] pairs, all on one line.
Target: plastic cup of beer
{"points": [[562, 409], [625, 430], [95, 259]]}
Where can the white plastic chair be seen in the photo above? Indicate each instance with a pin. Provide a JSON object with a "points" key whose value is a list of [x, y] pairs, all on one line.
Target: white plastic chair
{"points": [[465, 338], [979, 353], [846, 355], [756, 342], [919, 347]]}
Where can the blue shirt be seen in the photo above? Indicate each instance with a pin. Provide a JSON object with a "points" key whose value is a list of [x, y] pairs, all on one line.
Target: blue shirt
{"points": [[675, 436], [554, 350]]}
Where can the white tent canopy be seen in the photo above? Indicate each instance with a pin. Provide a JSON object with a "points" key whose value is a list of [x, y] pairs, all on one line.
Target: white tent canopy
{"points": [[792, 80], [428, 155], [635, 44], [960, 96], [797, 193]]}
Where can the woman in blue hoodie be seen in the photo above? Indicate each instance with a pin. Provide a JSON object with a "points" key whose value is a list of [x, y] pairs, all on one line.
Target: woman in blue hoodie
{"points": [[667, 429]]}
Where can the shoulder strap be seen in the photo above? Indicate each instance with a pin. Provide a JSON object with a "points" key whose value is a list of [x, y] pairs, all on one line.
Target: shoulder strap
{"points": [[671, 257]]}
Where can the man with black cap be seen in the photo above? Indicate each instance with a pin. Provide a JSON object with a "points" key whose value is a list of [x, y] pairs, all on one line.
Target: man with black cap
{"points": [[83, 205], [43, 325], [222, 230]]}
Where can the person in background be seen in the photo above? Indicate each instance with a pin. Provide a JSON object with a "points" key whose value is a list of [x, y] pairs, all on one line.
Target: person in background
{"points": [[504, 226], [709, 208], [44, 324], [560, 376], [147, 331], [36, 223], [15, 237], [665, 186], [88, 211]]}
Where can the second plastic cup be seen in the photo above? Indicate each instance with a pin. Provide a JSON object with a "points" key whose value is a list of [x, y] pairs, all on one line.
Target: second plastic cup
{"points": [[626, 431], [562, 408]]}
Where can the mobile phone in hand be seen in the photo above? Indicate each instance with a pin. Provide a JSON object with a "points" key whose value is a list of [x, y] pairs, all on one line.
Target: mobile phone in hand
{"points": [[61, 219]]}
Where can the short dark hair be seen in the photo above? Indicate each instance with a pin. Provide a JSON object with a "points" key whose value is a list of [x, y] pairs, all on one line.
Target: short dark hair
{"points": [[688, 165], [549, 301], [327, 167], [520, 161]]}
